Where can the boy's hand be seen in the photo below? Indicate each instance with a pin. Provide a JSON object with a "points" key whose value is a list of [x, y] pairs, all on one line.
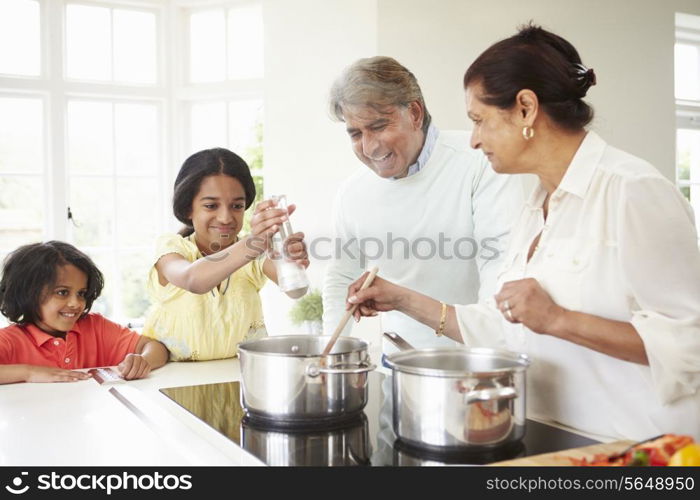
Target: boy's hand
{"points": [[133, 367], [50, 374]]}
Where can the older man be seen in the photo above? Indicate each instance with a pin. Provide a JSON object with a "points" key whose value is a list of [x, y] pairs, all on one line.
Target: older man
{"points": [[429, 211]]}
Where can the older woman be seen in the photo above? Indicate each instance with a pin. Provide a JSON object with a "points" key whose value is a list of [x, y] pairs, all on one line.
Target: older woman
{"points": [[601, 284]]}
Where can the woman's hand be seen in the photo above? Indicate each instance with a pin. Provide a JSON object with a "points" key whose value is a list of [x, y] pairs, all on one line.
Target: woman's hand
{"points": [[381, 295], [525, 301], [134, 366], [50, 374]]}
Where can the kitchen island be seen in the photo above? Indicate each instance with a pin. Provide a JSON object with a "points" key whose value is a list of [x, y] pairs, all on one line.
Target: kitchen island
{"points": [[124, 423], [136, 423]]}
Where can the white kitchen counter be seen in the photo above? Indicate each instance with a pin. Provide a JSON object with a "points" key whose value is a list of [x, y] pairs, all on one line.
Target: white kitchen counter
{"points": [[127, 423]]}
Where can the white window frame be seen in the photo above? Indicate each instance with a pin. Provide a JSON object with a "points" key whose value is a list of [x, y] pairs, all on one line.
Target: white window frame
{"points": [[172, 93], [187, 93], [56, 89], [688, 110]]}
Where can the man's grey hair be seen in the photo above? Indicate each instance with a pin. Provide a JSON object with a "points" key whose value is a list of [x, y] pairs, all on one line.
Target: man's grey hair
{"points": [[377, 82]]}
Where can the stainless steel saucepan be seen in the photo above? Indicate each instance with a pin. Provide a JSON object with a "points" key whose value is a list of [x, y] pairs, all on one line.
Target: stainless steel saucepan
{"points": [[459, 398], [286, 377]]}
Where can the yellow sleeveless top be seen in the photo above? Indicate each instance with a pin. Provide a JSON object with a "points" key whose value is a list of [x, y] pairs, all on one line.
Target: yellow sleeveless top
{"points": [[198, 327]]}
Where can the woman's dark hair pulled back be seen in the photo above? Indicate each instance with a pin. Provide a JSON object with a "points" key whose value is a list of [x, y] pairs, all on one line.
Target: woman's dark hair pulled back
{"points": [[540, 61], [202, 164]]}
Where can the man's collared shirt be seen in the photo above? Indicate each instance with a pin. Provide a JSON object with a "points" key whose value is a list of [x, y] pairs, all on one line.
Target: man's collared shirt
{"points": [[428, 146]]}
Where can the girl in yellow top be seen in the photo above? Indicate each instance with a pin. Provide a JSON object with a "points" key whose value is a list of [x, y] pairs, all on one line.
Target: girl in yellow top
{"points": [[205, 281]]}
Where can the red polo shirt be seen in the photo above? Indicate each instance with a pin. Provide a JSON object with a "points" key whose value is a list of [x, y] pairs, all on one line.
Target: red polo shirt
{"points": [[93, 341]]}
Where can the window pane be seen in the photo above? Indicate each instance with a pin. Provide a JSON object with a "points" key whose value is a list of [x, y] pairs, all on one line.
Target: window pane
{"points": [[105, 302], [207, 46], [134, 46], [19, 37], [694, 198], [92, 205], [688, 151], [89, 47], [90, 136], [245, 42], [208, 126], [687, 74], [245, 129], [21, 135], [21, 211], [136, 138], [136, 211], [134, 271], [685, 190]]}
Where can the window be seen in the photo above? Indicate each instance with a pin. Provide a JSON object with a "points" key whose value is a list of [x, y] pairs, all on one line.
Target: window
{"points": [[20, 31], [113, 165], [106, 165], [112, 146], [92, 132], [226, 44], [23, 159], [110, 44], [687, 92], [226, 58], [22, 170]]}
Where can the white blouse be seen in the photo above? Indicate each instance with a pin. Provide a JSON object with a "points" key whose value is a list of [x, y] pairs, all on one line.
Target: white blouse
{"points": [[619, 242]]}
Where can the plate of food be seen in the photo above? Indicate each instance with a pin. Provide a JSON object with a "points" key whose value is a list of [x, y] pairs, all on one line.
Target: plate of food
{"points": [[667, 449]]}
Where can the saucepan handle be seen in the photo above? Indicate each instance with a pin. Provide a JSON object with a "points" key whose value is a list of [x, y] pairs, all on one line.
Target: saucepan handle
{"points": [[315, 370], [398, 341], [490, 394]]}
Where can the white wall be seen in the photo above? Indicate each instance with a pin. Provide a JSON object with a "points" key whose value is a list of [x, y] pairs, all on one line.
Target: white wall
{"points": [[307, 154], [628, 43], [308, 42]]}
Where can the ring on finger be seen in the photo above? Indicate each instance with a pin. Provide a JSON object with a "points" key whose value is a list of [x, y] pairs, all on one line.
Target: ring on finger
{"points": [[506, 306]]}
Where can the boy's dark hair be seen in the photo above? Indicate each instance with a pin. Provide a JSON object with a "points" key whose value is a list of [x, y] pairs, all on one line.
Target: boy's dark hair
{"points": [[31, 269], [543, 62], [202, 164]]}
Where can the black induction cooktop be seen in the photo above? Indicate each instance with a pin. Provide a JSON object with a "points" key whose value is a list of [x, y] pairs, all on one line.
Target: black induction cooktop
{"points": [[364, 439]]}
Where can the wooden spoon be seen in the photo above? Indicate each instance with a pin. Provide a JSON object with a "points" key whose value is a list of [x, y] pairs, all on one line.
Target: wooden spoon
{"points": [[348, 314]]}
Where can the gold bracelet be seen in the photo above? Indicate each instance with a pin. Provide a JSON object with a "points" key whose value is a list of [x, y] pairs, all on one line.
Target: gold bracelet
{"points": [[443, 317]]}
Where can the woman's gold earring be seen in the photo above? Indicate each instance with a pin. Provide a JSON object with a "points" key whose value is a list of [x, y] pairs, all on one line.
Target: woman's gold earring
{"points": [[528, 133]]}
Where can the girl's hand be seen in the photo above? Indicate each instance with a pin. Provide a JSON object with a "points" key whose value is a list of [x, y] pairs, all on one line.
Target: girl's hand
{"points": [[50, 374], [381, 295], [266, 221], [133, 367], [525, 301], [295, 249]]}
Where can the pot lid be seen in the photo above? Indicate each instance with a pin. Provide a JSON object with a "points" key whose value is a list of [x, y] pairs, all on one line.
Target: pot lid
{"points": [[458, 362]]}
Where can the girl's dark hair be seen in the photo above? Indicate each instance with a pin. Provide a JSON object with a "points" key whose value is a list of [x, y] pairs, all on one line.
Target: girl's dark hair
{"points": [[543, 62], [31, 269], [203, 164]]}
